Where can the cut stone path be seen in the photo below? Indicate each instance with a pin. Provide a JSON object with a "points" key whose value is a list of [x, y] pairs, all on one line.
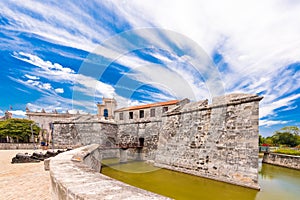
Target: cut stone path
{"points": [[24, 180]]}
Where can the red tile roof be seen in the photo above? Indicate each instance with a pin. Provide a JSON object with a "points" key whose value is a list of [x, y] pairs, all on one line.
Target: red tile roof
{"points": [[166, 103]]}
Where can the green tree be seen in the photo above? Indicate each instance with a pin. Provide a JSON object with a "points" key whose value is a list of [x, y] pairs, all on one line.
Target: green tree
{"points": [[291, 129], [288, 135], [269, 141], [18, 128]]}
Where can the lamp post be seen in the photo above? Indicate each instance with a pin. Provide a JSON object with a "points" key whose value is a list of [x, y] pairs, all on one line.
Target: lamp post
{"points": [[32, 134], [52, 138]]}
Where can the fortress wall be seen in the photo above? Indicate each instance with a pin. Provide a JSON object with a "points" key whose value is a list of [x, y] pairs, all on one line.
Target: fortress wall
{"points": [[84, 133], [130, 130], [217, 141], [129, 133]]}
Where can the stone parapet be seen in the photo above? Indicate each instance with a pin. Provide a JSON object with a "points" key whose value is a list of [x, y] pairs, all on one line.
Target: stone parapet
{"points": [[282, 160], [75, 175], [12, 146]]}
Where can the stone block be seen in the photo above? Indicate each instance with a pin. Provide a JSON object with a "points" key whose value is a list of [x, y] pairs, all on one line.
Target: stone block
{"points": [[47, 164]]}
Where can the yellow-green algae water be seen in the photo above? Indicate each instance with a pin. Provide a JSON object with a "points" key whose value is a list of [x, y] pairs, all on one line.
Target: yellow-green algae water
{"points": [[276, 183]]}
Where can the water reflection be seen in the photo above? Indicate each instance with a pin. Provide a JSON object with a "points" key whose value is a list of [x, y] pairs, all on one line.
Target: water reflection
{"points": [[276, 183]]}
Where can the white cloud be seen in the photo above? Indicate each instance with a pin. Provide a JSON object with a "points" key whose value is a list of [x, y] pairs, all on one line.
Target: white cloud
{"points": [[66, 23], [268, 123], [56, 72], [18, 113], [1, 112], [31, 77], [38, 84], [46, 86], [289, 108], [85, 88], [269, 108], [257, 40], [59, 90], [77, 111]]}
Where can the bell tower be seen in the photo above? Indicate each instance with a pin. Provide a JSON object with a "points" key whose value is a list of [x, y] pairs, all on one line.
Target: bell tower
{"points": [[106, 108]]}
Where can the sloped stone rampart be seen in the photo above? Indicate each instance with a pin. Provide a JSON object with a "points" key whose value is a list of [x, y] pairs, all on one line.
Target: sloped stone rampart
{"points": [[75, 175]]}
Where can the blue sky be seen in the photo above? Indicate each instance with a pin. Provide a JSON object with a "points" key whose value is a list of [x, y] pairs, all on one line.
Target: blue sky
{"points": [[67, 55]]}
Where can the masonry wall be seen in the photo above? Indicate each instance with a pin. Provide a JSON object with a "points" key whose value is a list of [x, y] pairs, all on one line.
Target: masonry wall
{"points": [[84, 133], [129, 134], [283, 160], [9, 146], [218, 141], [130, 130]]}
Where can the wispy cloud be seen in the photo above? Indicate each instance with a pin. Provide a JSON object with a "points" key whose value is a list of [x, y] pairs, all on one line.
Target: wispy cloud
{"points": [[269, 123], [257, 47], [59, 90], [86, 85], [258, 41], [31, 77]]}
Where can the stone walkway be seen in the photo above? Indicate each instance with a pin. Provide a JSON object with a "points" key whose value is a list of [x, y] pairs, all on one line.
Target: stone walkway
{"points": [[22, 181]]}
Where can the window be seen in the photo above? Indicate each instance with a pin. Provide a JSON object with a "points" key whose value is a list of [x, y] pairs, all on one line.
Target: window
{"points": [[130, 115], [152, 112], [121, 116], [105, 113], [142, 113], [165, 109]]}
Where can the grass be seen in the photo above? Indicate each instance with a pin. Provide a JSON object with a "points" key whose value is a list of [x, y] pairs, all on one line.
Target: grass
{"points": [[288, 151]]}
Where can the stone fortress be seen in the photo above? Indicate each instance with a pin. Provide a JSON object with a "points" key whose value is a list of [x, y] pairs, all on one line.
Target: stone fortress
{"points": [[217, 141]]}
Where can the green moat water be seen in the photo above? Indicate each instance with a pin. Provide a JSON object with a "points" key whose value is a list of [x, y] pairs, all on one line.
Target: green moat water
{"points": [[276, 183]]}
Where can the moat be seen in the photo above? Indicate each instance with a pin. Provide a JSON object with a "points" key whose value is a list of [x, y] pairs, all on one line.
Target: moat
{"points": [[277, 183]]}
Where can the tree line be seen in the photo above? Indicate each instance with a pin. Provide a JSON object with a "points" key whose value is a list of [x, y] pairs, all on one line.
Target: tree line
{"points": [[19, 130], [286, 136]]}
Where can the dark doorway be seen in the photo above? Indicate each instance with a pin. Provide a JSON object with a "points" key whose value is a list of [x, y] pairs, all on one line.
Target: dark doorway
{"points": [[141, 141]]}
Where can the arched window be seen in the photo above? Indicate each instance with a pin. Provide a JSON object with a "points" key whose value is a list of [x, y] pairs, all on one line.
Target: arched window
{"points": [[105, 112]]}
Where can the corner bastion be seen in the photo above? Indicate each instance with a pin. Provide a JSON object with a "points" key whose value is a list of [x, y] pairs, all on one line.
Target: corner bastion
{"points": [[76, 175], [217, 141]]}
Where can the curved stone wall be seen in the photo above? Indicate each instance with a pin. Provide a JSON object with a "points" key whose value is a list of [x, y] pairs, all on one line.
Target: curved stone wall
{"points": [[75, 175]]}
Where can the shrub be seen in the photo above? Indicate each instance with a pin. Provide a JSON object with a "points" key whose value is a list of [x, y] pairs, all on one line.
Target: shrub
{"points": [[288, 151]]}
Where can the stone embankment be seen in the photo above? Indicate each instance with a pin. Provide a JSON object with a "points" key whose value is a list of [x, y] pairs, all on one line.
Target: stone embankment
{"points": [[283, 160], [75, 175]]}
